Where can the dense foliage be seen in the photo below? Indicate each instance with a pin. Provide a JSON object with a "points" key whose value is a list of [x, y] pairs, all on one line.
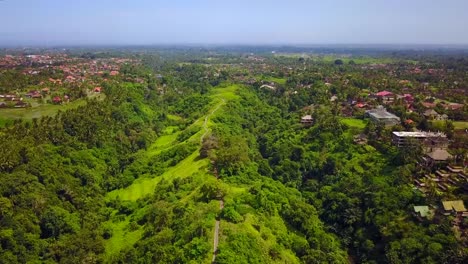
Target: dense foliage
{"points": [[138, 177]]}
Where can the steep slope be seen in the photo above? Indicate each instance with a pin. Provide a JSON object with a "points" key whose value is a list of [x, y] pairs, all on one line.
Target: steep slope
{"points": [[181, 221]]}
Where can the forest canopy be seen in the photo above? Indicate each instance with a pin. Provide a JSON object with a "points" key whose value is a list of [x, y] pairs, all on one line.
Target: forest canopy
{"points": [[185, 156]]}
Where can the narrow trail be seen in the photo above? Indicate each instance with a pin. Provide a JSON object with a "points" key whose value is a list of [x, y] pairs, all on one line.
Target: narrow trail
{"points": [[215, 172], [216, 233], [205, 123]]}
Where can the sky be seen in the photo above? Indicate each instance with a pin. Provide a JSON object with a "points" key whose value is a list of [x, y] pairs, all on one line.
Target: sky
{"points": [[150, 22]]}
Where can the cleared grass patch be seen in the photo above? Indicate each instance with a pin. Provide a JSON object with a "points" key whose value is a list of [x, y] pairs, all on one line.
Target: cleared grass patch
{"points": [[170, 129], [354, 123], [277, 80], [174, 117], [227, 92], [139, 188], [187, 167], [281, 81], [43, 110], [192, 166], [121, 237], [458, 125], [145, 186], [263, 231], [164, 141], [40, 111]]}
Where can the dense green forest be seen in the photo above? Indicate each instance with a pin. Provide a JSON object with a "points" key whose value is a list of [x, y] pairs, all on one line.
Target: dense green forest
{"points": [[138, 177]]}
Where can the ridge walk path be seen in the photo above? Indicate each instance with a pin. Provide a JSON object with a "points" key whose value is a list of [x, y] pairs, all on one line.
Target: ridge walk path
{"points": [[216, 232], [146, 184], [205, 123], [215, 172]]}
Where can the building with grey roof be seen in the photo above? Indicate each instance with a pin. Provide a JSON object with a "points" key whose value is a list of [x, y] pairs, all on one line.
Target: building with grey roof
{"points": [[381, 115]]}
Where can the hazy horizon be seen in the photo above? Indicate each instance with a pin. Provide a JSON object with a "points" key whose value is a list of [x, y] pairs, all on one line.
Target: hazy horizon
{"points": [[210, 22]]}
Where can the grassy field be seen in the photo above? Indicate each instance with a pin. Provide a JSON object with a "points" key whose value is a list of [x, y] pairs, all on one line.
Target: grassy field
{"points": [[187, 167], [192, 166], [354, 123], [227, 92], [164, 141], [277, 80], [121, 237], [40, 111], [459, 125], [174, 117], [264, 235], [145, 186], [281, 81], [37, 112]]}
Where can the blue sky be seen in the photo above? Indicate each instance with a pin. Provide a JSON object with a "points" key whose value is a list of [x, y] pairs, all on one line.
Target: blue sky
{"points": [[101, 22]]}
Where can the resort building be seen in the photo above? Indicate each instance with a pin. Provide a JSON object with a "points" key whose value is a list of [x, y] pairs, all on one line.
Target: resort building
{"points": [[380, 115], [429, 140]]}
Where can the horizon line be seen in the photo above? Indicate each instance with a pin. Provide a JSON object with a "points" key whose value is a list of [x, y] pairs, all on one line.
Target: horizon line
{"points": [[276, 45]]}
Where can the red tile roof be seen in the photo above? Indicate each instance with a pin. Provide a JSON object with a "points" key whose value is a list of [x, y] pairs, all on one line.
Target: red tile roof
{"points": [[429, 105], [384, 93], [453, 106], [361, 105]]}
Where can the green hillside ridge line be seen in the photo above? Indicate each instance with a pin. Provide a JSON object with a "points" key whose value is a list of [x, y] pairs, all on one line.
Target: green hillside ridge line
{"points": [[142, 187]]}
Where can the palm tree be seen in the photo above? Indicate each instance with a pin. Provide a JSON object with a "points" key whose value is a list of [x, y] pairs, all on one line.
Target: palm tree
{"points": [[433, 193]]}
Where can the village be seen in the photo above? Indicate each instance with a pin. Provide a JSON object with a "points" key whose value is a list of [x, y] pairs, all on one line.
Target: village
{"points": [[417, 116], [402, 111], [234, 132], [54, 78], [440, 176]]}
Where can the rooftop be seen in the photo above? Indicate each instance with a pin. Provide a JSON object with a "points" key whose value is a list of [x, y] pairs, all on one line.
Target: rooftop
{"points": [[384, 93], [418, 134], [423, 210], [439, 154], [457, 205], [381, 113], [430, 112]]}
